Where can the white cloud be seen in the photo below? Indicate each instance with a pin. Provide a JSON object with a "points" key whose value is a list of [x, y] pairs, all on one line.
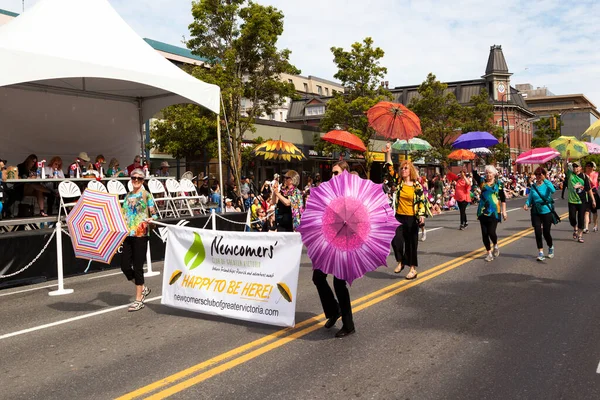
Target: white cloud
{"points": [[545, 42]]}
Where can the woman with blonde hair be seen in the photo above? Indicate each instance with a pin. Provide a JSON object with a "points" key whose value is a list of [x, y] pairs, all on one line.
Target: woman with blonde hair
{"points": [[491, 209], [411, 210]]}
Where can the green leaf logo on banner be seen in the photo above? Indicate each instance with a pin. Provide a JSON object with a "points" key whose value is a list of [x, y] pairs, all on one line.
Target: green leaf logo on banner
{"points": [[195, 254]]}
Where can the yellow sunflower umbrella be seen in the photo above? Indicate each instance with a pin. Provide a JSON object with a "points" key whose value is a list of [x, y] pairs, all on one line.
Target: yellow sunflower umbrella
{"points": [[570, 147], [278, 150], [593, 131]]}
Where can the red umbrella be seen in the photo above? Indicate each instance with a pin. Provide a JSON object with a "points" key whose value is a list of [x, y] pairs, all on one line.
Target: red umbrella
{"points": [[461, 155], [451, 176], [345, 139], [394, 121]]}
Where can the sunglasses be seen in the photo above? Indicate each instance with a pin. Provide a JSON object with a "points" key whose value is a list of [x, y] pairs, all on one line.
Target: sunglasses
{"points": [[405, 168], [335, 172], [137, 179]]}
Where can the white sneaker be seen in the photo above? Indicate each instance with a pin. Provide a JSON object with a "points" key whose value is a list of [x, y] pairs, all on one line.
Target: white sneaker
{"points": [[489, 257], [496, 251], [423, 235]]}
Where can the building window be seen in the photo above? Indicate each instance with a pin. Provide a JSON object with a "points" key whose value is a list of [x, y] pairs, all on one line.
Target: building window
{"points": [[281, 115], [326, 91], [306, 87], [314, 110], [333, 92], [290, 81], [320, 90]]}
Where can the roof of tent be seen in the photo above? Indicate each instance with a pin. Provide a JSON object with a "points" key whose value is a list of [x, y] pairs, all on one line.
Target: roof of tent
{"points": [[84, 48]]}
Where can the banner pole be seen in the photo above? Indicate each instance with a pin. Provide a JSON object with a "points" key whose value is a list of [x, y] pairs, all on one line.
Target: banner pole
{"points": [[213, 216], [59, 263], [150, 272], [221, 184]]}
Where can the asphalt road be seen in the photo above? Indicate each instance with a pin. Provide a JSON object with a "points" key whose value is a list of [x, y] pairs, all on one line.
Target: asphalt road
{"points": [[514, 328]]}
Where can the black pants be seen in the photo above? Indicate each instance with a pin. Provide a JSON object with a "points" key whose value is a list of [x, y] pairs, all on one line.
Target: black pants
{"points": [[488, 230], [285, 223], [462, 207], [577, 215], [542, 223], [330, 305], [133, 257], [406, 240]]}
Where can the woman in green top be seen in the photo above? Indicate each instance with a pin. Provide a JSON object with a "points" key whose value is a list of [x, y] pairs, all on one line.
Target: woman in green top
{"points": [[578, 187]]}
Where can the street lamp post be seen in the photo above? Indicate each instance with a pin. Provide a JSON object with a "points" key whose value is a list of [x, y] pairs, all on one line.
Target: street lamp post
{"points": [[506, 134]]}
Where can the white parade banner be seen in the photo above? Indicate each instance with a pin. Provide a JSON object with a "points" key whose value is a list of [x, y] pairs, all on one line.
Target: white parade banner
{"points": [[241, 275]]}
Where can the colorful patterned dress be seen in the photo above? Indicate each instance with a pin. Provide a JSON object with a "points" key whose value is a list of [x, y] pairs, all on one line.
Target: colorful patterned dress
{"points": [[136, 208], [491, 197], [294, 195]]}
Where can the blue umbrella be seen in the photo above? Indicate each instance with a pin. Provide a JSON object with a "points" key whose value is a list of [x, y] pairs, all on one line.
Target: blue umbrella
{"points": [[473, 140]]}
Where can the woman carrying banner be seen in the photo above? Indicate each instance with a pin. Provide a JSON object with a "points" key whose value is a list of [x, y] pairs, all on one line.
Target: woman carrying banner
{"points": [[411, 210], [492, 207], [540, 200], [288, 201], [334, 309], [139, 211]]}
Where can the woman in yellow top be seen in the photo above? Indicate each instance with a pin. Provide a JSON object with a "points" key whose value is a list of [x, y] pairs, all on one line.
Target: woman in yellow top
{"points": [[411, 209]]}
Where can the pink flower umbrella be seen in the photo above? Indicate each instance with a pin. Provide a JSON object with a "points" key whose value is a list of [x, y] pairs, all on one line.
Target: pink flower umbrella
{"points": [[537, 156], [593, 148], [348, 226]]}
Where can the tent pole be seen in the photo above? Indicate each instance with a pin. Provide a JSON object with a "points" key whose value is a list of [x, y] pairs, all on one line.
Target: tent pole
{"points": [[220, 161], [141, 124]]}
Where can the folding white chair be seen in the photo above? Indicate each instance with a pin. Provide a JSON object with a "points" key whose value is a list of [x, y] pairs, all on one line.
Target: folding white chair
{"points": [[116, 187], [95, 185], [67, 190], [157, 188], [129, 186], [191, 192], [180, 200], [187, 175]]}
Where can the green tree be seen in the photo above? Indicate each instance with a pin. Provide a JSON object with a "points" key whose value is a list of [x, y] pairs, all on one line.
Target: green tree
{"points": [[239, 38], [546, 130], [441, 117], [478, 115], [185, 131], [360, 72]]}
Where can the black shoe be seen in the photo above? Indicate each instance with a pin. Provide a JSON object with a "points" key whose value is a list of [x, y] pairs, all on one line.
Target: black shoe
{"points": [[461, 227], [465, 226], [331, 321], [344, 332]]}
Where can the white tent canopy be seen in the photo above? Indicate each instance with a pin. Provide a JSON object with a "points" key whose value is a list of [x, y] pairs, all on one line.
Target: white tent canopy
{"points": [[75, 77]]}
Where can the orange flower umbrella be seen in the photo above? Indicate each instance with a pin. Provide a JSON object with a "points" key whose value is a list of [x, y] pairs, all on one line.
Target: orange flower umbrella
{"points": [[394, 121], [462, 155], [345, 139], [278, 150]]}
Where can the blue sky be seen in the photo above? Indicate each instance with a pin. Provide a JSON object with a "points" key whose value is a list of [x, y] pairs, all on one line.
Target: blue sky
{"points": [[546, 42]]}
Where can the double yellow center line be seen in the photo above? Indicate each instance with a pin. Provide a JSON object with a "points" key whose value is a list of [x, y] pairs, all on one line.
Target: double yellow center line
{"points": [[247, 352]]}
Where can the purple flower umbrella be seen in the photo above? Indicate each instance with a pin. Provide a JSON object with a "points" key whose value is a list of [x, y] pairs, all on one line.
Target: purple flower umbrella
{"points": [[348, 226], [474, 140]]}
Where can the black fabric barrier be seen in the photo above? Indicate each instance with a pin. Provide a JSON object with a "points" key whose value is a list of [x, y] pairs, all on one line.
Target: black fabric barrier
{"points": [[18, 249]]}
